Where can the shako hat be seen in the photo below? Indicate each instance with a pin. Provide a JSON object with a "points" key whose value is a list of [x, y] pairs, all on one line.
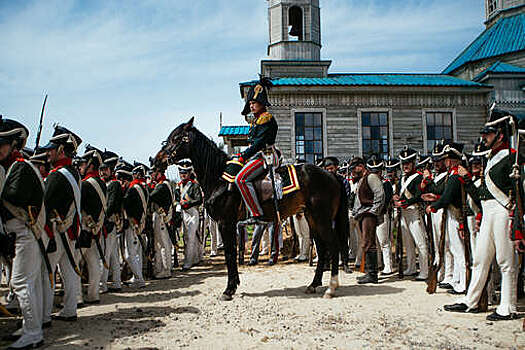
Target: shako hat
{"points": [[39, 156], [93, 156], [392, 164], [109, 159], [13, 132], [453, 150], [259, 93], [499, 121], [185, 166], [407, 155], [64, 137], [423, 161], [140, 169], [479, 152], [374, 164], [124, 170], [437, 151]]}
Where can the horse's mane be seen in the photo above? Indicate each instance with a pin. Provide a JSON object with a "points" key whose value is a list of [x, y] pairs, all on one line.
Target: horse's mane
{"points": [[209, 161]]}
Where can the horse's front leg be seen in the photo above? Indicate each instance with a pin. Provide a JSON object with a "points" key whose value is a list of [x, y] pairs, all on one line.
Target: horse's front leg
{"points": [[228, 232], [318, 277]]}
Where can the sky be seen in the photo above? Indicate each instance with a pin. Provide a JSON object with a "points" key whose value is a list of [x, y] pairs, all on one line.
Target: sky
{"points": [[123, 74]]}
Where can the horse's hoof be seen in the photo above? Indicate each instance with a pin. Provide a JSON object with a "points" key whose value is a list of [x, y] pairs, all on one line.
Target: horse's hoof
{"points": [[310, 290], [226, 297]]}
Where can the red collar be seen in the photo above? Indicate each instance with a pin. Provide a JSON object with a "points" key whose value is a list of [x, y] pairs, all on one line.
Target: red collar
{"points": [[453, 170], [61, 163], [161, 179], [91, 174], [136, 182], [504, 145], [184, 182]]}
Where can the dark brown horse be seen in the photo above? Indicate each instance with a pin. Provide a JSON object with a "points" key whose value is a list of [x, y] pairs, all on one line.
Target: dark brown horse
{"points": [[319, 196]]}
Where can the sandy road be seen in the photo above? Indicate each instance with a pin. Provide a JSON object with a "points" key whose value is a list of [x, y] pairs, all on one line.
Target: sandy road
{"points": [[272, 311]]}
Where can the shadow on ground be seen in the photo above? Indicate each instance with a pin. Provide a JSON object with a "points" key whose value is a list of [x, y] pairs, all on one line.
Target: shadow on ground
{"points": [[343, 291]]}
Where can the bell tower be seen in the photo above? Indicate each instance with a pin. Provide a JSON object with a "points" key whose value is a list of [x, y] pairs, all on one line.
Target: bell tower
{"points": [[294, 47], [295, 30]]}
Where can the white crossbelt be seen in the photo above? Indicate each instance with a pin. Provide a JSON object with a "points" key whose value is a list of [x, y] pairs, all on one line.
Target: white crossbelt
{"points": [[75, 186], [498, 194], [408, 182]]}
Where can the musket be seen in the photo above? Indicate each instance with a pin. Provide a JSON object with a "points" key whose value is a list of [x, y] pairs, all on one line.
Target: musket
{"points": [[430, 235], [465, 235], [399, 238], [39, 133], [434, 269]]}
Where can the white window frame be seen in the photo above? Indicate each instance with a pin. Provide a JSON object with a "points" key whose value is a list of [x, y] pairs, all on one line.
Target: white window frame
{"points": [[437, 110], [293, 111], [496, 6], [390, 128]]}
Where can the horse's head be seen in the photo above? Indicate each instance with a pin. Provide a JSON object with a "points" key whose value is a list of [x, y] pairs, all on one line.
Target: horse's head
{"points": [[176, 146]]}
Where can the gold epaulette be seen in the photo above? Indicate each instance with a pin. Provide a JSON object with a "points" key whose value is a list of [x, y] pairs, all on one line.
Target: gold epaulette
{"points": [[264, 118]]}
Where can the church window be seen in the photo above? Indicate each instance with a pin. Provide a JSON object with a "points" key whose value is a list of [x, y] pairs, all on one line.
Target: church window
{"points": [[295, 23], [309, 136], [492, 5], [374, 129], [439, 127]]}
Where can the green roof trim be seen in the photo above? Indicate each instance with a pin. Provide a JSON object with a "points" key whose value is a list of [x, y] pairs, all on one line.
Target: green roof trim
{"points": [[375, 79], [507, 35], [500, 67], [234, 130]]}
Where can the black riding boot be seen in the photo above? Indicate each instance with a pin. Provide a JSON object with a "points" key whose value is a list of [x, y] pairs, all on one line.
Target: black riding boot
{"points": [[370, 267]]}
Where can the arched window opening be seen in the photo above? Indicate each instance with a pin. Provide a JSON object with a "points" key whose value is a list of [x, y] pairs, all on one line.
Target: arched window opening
{"points": [[295, 23]]}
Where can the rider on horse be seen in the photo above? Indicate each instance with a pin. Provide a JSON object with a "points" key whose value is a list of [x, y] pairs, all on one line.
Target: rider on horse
{"points": [[263, 130]]}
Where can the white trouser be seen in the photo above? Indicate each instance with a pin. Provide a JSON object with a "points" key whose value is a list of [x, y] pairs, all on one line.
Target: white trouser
{"points": [[385, 244], [163, 247], [354, 241], [134, 254], [111, 254], [303, 234], [70, 280], [26, 281], [95, 267], [493, 240], [414, 232], [216, 239], [265, 242], [471, 220], [458, 252], [192, 247]]}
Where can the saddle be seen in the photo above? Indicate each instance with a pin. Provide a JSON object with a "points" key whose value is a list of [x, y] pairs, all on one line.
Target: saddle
{"points": [[286, 180]]}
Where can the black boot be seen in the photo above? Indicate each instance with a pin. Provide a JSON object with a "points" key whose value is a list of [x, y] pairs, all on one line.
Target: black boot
{"points": [[371, 268]]}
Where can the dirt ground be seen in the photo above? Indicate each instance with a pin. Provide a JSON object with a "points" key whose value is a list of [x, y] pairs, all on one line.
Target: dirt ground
{"points": [[271, 310]]}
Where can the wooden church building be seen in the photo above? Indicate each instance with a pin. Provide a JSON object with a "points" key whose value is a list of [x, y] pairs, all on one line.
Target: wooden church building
{"points": [[345, 114]]}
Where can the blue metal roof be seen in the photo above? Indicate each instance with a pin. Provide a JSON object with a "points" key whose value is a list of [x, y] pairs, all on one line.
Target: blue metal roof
{"points": [[234, 130], [375, 79], [500, 67], [505, 36]]}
